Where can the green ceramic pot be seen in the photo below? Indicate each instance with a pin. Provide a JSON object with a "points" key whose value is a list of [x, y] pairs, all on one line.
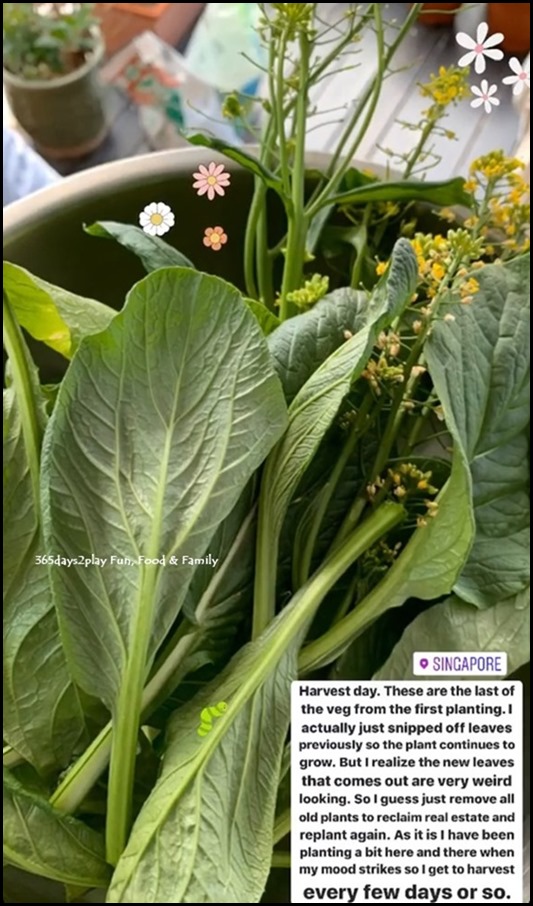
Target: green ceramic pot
{"points": [[65, 116]]}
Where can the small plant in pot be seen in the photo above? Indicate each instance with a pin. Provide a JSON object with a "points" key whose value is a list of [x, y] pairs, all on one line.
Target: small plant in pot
{"points": [[51, 57], [311, 473]]}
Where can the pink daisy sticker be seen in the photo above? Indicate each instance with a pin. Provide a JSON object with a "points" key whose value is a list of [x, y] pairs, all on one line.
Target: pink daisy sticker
{"points": [[211, 180]]}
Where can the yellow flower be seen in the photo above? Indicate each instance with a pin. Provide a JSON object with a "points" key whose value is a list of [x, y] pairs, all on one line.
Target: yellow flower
{"points": [[447, 214], [470, 288], [438, 272], [447, 87], [381, 267], [495, 166]]}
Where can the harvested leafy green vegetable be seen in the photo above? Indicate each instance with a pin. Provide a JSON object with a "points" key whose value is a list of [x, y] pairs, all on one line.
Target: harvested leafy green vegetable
{"points": [[229, 490]]}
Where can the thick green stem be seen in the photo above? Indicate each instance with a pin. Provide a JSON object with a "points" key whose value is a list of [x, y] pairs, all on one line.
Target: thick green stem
{"points": [[277, 90], [83, 775], [257, 204], [264, 262], [127, 720], [266, 559], [297, 231]]}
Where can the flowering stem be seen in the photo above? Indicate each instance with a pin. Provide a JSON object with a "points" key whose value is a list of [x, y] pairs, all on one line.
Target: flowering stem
{"points": [[294, 257], [372, 94], [392, 428], [415, 154], [277, 93], [484, 208]]}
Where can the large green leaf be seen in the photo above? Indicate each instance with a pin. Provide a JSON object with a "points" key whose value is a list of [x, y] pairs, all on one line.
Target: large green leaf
{"points": [[158, 425], [301, 344], [206, 832], [247, 161], [41, 841], [455, 625], [43, 719], [447, 192], [427, 568], [152, 251], [480, 367], [55, 316]]}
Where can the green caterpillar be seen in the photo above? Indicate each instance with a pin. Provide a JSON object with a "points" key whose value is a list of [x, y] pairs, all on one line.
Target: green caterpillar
{"points": [[208, 715]]}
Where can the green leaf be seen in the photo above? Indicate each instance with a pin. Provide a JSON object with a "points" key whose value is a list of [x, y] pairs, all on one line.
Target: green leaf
{"points": [[455, 625], [316, 404], [218, 601], [427, 568], [55, 316], [301, 344], [159, 424], [268, 321], [43, 719], [247, 161], [310, 415], [480, 367], [153, 252], [448, 192], [206, 832], [224, 786], [39, 840]]}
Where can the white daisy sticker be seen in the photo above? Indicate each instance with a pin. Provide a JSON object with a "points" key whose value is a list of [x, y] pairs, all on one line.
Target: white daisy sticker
{"points": [[521, 77], [485, 95], [479, 47], [156, 219]]}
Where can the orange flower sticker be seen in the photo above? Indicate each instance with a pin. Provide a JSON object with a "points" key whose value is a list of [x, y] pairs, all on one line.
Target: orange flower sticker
{"points": [[215, 238]]}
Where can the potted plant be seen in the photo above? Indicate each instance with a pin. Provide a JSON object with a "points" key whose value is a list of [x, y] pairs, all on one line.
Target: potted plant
{"points": [[437, 14], [232, 485], [51, 57]]}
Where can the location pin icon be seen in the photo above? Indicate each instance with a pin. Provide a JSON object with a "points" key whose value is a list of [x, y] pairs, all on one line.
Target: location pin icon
{"points": [[424, 662]]}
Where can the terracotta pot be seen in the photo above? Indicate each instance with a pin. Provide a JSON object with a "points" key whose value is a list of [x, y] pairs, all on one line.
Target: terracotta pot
{"points": [[121, 23], [433, 17], [64, 116], [514, 21]]}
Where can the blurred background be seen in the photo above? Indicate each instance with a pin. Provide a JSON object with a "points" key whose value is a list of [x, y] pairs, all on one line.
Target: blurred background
{"points": [[89, 83]]}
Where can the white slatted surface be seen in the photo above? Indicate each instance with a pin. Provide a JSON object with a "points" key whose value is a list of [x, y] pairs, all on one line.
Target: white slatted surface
{"points": [[421, 54]]}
